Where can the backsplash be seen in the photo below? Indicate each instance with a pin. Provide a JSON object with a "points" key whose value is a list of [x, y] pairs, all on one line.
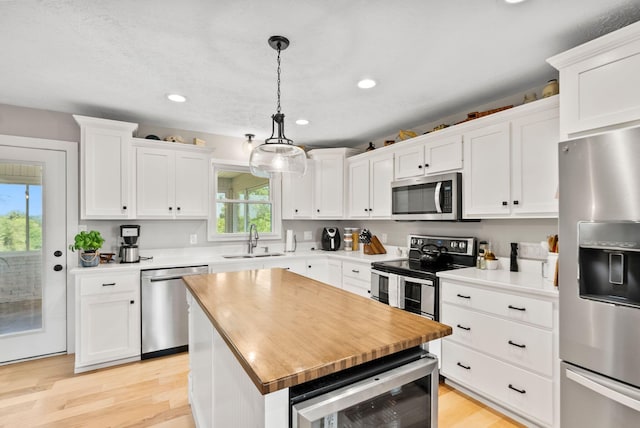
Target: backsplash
{"points": [[158, 234]]}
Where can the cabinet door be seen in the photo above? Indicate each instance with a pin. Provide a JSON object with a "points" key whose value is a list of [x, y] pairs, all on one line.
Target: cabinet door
{"points": [[443, 155], [380, 178], [105, 174], [191, 185], [297, 194], [334, 273], [409, 161], [109, 327], [329, 187], [155, 183], [534, 164], [487, 172], [358, 189], [318, 269], [295, 265]]}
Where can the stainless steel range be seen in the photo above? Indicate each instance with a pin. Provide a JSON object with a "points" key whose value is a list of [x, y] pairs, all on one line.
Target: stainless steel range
{"points": [[412, 284]]}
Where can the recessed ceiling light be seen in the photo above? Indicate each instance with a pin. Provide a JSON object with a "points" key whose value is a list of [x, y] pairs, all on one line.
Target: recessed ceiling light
{"points": [[513, 1], [177, 98], [302, 122], [366, 83]]}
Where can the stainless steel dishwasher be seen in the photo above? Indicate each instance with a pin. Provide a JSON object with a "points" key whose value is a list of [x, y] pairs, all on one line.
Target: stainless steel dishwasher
{"points": [[164, 310]]}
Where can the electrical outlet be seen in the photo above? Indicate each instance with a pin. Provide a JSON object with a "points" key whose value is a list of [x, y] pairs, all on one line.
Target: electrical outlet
{"points": [[193, 239], [308, 235], [383, 238]]}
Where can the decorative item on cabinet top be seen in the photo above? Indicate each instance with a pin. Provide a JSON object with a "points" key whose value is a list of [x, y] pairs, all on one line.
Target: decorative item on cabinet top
{"points": [[405, 135], [174, 139], [477, 114]]}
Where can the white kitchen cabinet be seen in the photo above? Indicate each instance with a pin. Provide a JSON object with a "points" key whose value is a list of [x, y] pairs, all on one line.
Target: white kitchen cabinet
{"points": [[105, 170], [297, 194], [172, 183], [317, 268], [107, 319], [356, 278], [328, 191], [295, 265], [503, 347], [600, 83], [429, 154], [510, 167], [369, 189], [334, 272]]}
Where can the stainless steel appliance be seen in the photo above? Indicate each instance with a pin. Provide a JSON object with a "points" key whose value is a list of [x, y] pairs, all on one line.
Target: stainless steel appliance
{"points": [[164, 310], [437, 197], [129, 248], [330, 239], [398, 391], [412, 284], [599, 280]]}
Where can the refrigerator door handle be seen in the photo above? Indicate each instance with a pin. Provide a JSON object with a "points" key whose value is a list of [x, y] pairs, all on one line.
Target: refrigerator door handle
{"points": [[612, 390]]}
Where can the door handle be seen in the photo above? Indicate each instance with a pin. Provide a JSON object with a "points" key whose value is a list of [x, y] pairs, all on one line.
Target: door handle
{"points": [[57, 268]]}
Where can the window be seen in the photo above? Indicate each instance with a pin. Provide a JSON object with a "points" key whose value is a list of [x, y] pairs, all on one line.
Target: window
{"points": [[239, 199], [20, 208]]}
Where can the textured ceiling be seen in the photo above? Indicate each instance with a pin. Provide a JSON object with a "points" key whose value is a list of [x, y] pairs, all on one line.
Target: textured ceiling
{"points": [[119, 58]]}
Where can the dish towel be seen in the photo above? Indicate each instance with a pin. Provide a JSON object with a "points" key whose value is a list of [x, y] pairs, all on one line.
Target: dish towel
{"points": [[394, 295]]}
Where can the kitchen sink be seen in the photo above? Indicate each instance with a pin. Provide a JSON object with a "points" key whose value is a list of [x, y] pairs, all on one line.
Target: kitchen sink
{"points": [[251, 256]]}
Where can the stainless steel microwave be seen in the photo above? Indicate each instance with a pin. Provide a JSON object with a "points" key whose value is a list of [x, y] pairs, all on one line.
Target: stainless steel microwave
{"points": [[437, 197]]}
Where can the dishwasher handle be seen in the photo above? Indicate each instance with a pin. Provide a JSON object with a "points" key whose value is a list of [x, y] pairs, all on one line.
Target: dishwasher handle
{"points": [[165, 278]]}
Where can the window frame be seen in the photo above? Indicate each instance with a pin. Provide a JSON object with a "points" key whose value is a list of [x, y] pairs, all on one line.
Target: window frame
{"points": [[274, 198]]}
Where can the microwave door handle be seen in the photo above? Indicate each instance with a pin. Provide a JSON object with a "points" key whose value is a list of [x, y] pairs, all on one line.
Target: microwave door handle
{"points": [[436, 197]]}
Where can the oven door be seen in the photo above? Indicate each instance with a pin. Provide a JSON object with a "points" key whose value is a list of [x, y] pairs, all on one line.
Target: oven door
{"points": [[406, 396], [420, 296], [385, 288]]}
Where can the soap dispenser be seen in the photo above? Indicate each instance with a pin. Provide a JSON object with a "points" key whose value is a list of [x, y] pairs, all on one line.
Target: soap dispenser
{"points": [[514, 257]]}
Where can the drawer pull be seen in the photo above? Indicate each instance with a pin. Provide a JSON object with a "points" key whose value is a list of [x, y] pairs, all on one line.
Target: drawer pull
{"points": [[355, 271], [462, 296], [465, 367], [110, 284], [517, 308], [521, 391], [464, 328], [517, 344]]}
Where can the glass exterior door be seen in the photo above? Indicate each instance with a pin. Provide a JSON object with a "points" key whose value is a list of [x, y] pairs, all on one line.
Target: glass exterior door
{"points": [[32, 253]]}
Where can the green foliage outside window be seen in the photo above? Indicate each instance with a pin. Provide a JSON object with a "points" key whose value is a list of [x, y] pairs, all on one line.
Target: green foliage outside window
{"points": [[13, 236]]}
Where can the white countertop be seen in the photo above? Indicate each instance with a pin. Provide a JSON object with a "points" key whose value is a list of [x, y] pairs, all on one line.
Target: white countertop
{"points": [[526, 282], [178, 257]]}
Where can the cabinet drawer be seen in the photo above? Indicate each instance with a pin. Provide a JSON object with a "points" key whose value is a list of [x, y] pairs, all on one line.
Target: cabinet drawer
{"points": [[504, 304], [523, 392], [526, 346], [361, 288], [359, 271], [109, 283]]}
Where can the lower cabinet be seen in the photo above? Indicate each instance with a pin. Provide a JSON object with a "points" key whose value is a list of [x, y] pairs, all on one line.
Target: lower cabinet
{"points": [[503, 348], [356, 278], [107, 319]]}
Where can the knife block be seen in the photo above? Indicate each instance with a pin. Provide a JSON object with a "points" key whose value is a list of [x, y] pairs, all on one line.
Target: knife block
{"points": [[374, 247]]}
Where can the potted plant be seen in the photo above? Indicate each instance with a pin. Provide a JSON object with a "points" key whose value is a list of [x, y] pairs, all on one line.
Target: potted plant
{"points": [[89, 242]]}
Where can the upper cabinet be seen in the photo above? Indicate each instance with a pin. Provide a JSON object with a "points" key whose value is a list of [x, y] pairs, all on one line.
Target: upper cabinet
{"points": [[511, 166], [369, 188], [433, 156], [172, 183], [600, 83], [105, 170], [324, 184]]}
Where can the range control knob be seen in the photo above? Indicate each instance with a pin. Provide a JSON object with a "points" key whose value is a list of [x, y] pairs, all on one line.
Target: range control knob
{"points": [[462, 245], [454, 244]]}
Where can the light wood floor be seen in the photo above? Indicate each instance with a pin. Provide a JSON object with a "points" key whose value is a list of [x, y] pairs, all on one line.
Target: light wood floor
{"points": [[153, 393]]}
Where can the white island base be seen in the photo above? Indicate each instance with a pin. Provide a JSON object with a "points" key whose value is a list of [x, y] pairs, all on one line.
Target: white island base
{"points": [[220, 391]]}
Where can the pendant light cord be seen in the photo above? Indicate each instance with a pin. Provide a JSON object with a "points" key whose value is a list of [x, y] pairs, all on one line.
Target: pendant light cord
{"points": [[278, 77]]}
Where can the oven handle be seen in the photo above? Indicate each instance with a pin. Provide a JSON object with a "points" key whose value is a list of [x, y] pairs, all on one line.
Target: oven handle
{"points": [[306, 412], [436, 197], [420, 281]]}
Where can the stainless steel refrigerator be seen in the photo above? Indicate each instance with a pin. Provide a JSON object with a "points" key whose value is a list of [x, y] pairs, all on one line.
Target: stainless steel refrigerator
{"points": [[599, 280]]}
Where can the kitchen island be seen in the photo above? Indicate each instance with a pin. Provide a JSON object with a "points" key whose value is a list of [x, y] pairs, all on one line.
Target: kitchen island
{"points": [[254, 334]]}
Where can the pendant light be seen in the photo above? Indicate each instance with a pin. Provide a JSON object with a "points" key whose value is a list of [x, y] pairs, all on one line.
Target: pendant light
{"points": [[277, 154]]}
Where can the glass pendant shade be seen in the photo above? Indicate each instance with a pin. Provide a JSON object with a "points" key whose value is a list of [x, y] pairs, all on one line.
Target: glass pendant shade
{"points": [[273, 158]]}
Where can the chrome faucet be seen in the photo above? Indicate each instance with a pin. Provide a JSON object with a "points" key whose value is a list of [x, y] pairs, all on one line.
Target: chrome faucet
{"points": [[253, 238]]}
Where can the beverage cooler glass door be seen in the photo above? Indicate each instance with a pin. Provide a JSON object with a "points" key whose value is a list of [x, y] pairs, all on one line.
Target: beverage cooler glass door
{"points": [[406, 396]]}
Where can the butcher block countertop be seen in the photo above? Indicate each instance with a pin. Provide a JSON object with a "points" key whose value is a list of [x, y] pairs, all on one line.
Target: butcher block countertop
{"points": [[286, 329]]}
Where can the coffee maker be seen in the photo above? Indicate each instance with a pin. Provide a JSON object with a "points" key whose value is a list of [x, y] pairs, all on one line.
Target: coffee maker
{"points": [[330, 239], [129, 247]]}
